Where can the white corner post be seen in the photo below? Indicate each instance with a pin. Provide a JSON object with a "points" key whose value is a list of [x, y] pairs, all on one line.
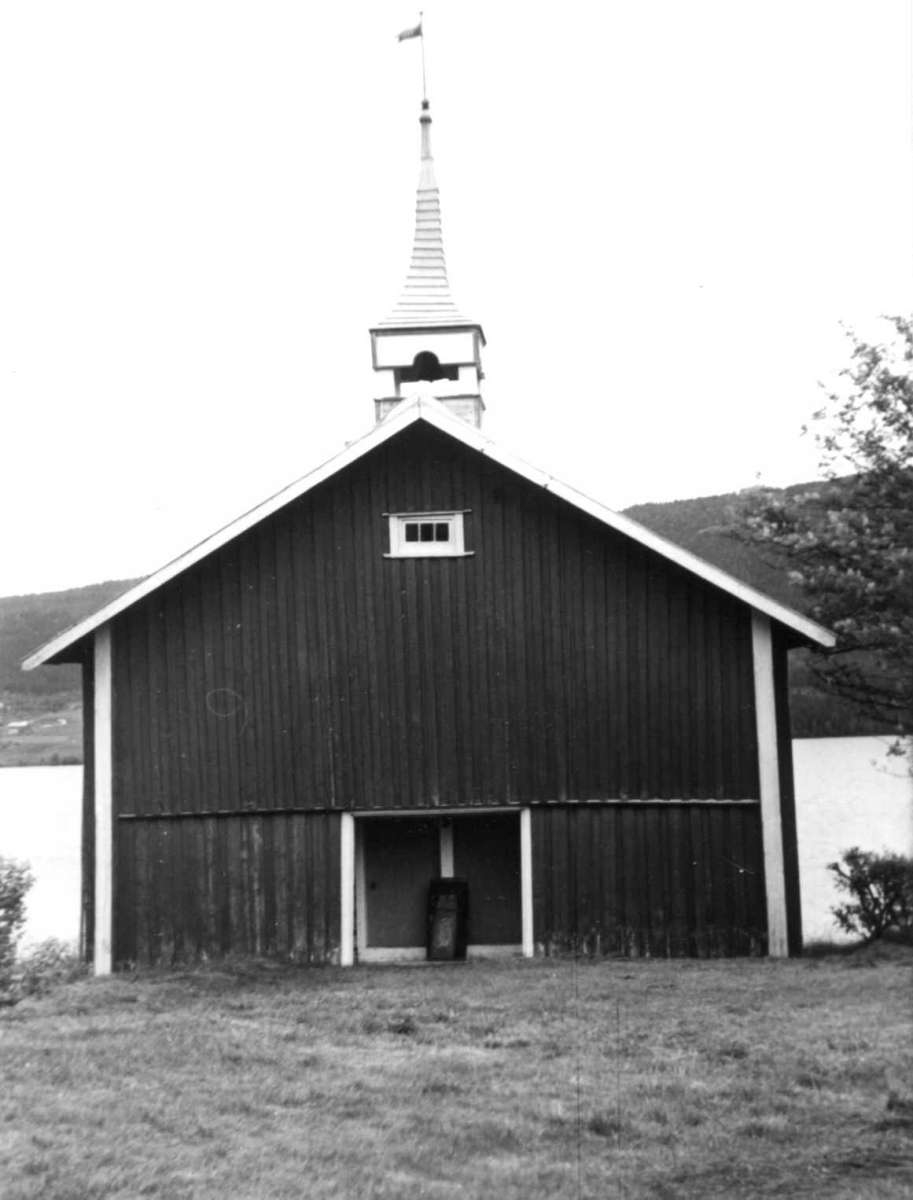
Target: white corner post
{"points": [[769, 779], [446, 849], [104, 802], [361, 894], [347, 890], [526, 882]]}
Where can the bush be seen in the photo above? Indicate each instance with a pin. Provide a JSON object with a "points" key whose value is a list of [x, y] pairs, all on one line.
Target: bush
{"points": [[881, 893], [15, 881], [44, 966]]}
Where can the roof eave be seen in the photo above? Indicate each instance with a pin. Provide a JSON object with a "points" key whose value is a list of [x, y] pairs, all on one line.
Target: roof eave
{"points": [[430, 327]]}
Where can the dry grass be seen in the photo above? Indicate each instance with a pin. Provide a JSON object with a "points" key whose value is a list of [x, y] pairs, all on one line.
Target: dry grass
{"points": [[550, 1078]]}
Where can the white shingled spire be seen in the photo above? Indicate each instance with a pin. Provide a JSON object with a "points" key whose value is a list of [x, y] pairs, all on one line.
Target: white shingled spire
{"points": [[426, 346], [425, 299]]}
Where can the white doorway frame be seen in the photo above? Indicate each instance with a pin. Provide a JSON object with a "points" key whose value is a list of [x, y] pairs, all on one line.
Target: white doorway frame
{"points": [[353, 898]]}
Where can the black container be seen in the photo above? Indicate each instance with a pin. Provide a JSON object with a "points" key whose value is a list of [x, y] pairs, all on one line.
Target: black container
{"points": [[448, 908]]}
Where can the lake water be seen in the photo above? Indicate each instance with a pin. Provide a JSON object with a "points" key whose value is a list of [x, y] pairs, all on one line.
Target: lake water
{"points": [[848, 792], [40, 818]]}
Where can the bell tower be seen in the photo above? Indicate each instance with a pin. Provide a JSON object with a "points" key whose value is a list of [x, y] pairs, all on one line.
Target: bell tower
{"points": [[426, 345]]}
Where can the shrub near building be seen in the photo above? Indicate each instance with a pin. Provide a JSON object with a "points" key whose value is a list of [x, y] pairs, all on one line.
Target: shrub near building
{"points": [[880, 887], [15, 881]]}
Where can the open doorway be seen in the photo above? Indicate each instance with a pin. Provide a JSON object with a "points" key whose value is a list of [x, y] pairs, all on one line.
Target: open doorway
{"points": [[396, 857]]}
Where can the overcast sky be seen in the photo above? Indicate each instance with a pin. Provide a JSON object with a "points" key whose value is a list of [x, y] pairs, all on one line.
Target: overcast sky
{"points": [[659, 212]]}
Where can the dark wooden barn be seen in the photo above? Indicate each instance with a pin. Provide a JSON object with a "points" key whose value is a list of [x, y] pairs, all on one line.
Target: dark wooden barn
{"points": [[428, 659]]}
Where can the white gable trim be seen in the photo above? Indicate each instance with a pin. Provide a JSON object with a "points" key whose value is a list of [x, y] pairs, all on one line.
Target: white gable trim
{"points": [[434, 413]]}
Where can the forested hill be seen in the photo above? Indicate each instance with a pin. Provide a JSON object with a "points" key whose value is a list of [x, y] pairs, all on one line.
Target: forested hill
{"points": [[705, 526], [27, 622]]}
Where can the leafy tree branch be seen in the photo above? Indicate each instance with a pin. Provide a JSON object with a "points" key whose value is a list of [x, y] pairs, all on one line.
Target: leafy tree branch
{"points": [[848, 541]]}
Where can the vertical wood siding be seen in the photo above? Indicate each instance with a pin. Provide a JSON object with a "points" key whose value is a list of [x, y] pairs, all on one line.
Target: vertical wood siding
{"points": [[298, 667], [649, 879], [298, 673], [259, 885]]}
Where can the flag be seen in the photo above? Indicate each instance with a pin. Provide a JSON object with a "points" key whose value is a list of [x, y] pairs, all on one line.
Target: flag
{"points": [[410, 33]]}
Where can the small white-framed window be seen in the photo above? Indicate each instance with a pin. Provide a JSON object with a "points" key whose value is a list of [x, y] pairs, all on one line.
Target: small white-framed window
{"points": [[426, 535]]}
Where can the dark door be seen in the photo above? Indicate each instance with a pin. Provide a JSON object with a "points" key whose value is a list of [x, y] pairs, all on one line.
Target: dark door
{"points": [[401, 858], [486, 853]]}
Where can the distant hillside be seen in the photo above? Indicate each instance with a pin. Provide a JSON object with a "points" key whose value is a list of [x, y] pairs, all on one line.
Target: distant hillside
{"points": [[41, 711], [704, 526], [27, 622]]}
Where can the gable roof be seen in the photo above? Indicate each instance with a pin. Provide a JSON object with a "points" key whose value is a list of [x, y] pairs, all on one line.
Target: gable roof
{"points": [[434, 413]]}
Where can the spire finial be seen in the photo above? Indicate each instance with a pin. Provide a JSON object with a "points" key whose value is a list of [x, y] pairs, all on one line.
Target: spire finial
{"points": [[425, 124], [421, 38], [416, 32]]}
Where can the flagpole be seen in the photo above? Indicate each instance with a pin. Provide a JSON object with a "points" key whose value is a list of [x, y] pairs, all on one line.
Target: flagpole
{"points": [[418, 32], [421, 37]]}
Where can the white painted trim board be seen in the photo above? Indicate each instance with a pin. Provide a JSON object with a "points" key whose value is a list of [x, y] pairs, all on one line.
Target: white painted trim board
{"points": [[103, 770], [346, 890], [526, 882], [769, 784]]}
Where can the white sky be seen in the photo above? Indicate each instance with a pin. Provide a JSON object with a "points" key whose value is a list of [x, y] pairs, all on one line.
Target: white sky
{"points": [[660, 212]]}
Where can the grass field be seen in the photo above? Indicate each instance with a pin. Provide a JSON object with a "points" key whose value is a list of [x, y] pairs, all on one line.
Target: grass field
{"points": [[509, 1080]]}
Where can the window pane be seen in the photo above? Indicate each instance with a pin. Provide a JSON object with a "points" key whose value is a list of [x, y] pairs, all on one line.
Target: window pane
{"points": [[423, 534]]}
